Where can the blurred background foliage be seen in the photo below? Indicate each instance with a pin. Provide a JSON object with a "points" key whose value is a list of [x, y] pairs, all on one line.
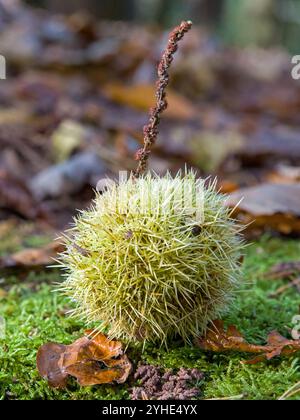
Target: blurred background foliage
{"points": [[236, 22]]}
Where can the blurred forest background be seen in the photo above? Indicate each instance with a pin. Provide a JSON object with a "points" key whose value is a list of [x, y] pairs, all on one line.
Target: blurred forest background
{"points": [[80, 79], [241, 22]]}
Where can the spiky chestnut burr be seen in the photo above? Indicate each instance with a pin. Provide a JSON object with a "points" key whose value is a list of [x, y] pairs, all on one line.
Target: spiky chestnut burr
{"points": [[155, 256], [145, 267]]}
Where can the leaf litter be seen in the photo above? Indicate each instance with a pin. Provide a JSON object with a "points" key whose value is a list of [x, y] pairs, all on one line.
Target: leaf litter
{"points": [[219, 339], [92, 360]]}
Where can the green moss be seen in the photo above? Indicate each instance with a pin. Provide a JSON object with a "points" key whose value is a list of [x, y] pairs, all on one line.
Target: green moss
{"points": [[35, 315], [33, 318], [17, 236]]}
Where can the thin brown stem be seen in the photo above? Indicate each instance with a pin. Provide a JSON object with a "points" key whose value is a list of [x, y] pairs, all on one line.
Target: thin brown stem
{"points": [[151, 129]]}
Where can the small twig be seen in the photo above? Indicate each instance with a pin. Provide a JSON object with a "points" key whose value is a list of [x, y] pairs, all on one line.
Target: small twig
{"points": [[283, 270], [233, 397], [295, 389], [151, 129], [293, 283]]}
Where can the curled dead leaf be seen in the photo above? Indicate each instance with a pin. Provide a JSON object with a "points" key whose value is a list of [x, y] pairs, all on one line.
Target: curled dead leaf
{"points": [[48, 363], [218, 339], [32, 258], [272, 206], [15, 196], [142, 96], [92, 360]]}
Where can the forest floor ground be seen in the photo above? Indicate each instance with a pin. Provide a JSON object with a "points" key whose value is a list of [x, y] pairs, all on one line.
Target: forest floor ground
{"points": [[35, 314]]}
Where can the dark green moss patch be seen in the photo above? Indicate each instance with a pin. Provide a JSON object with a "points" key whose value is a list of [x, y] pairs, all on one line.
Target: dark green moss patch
{"points": [[35, 314]]}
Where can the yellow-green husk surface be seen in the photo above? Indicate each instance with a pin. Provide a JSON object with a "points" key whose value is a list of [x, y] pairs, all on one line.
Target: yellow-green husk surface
{"points": [[151, 272]]}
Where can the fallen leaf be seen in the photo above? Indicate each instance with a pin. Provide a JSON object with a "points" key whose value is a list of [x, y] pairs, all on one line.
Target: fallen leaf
{"points": [[284, 174], [67, 177], [142, 97], [277, 145], [89, 373], [15, 196], [273, 206], [13, 116], [92, 360], [227, 186], [48, 360], [32, 258], [218, 339]]}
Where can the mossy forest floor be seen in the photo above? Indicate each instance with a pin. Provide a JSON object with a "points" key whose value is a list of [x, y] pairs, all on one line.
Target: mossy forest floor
{"points": [[35, 314]]}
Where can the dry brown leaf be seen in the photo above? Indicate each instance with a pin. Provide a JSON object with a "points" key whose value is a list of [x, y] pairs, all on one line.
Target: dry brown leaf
{"points": [[227, 187], [284, 174], [276, 145], [89, 373], [32, 258], [48, 364], [83, 360], [218, 339], [15, 196], [272, 206], [142, 97], [14, 116]]}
